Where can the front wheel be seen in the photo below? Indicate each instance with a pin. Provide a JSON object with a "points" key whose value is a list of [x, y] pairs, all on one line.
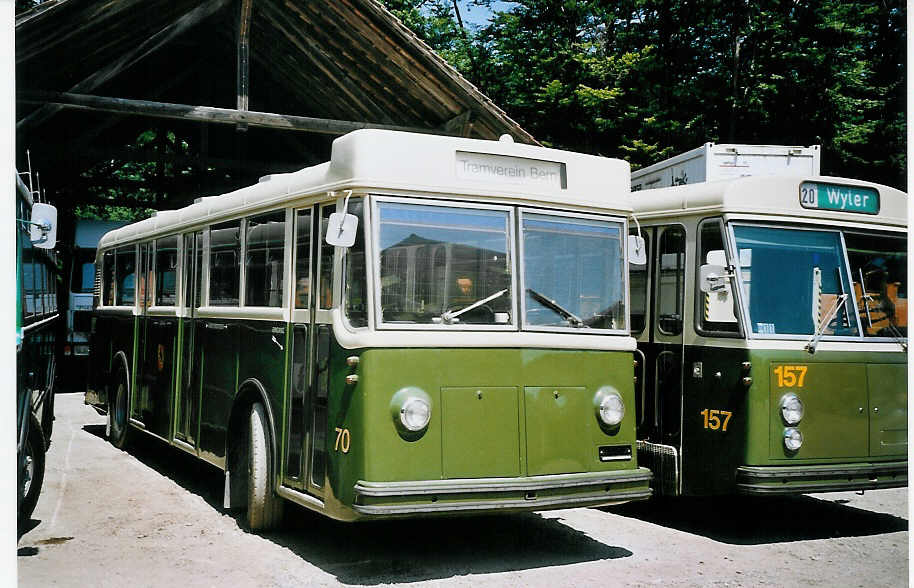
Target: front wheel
{"points": [[31, 475], [264, 505], [117, 412]]}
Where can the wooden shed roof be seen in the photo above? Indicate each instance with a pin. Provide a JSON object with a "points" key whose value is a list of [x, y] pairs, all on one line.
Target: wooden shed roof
{"points": [[91, 73]]}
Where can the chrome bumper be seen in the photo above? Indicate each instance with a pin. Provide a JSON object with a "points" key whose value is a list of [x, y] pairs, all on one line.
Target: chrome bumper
{"points": [[501, 494], [821, 478]]}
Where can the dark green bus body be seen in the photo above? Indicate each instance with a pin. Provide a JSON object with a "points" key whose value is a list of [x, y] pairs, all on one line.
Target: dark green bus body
{"points": [[855, 430], [711, 382], [516, 418]]}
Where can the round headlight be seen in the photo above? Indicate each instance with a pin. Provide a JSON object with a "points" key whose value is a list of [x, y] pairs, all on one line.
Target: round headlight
{"points": [[791, 409], [793, 439], [612, 409], [415, 413]]}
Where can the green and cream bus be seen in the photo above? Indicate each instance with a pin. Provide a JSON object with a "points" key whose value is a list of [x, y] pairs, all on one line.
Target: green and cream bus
{"points": [[771, 319], [422, 325]]}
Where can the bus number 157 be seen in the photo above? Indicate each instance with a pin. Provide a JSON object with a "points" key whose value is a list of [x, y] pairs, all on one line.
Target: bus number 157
{"points": [[790, 376]]}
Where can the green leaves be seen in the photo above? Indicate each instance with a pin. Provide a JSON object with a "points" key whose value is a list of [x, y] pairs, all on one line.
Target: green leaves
{"points": [[645, 79]]}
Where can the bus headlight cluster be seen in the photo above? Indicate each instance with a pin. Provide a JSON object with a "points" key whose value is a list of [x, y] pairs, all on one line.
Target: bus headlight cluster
{"points": [[411, 409], [793, 439], [791, 409], [610, 407]]}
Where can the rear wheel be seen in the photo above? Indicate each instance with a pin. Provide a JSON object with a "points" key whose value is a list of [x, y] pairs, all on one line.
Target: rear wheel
{"points": [[117, 412], [264, 505], [31, 476]]}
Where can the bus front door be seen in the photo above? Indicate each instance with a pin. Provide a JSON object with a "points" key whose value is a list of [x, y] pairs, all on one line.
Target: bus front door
{"points": [[661, 427]]}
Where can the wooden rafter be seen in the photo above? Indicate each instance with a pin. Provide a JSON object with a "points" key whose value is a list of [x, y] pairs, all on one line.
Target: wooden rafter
{"points": [[206, 113], [128, 59]]}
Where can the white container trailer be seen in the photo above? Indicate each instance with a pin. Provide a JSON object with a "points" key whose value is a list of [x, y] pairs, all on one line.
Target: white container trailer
{"points": [[712, 162]]}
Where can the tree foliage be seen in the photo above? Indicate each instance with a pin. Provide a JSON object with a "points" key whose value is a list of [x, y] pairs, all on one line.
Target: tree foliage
{"points": [[644, 79]]}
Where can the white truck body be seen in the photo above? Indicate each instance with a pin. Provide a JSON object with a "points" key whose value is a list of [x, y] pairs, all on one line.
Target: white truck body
{"points": [[712, 162]]}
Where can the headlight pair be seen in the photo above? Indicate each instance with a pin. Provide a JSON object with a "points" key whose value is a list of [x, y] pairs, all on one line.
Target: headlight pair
{"points": [[792, 411]]}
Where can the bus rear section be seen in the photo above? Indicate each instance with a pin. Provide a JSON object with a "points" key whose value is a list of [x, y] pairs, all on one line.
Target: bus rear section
{"points": [[775, 337]]}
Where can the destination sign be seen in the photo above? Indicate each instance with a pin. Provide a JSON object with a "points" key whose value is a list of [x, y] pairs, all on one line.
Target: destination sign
{"points": [[504, 169], [837, 197]]}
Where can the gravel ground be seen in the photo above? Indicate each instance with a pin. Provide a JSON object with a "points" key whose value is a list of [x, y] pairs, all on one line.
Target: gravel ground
{"points": [[152, 516]]}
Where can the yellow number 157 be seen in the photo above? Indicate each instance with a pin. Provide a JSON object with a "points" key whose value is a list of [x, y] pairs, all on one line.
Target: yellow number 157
{"points": [[790, 375]]}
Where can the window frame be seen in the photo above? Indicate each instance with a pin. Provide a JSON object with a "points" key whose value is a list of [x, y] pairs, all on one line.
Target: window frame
{"points": [[736, 291], [376, 201], [522, 299], [283, 303], [873, 233], [744, 310], [656, 280]]}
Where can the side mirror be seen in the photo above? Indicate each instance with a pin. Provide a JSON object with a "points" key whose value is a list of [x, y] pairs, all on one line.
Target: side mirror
{"points": [[637, 251], [712, 278], [341, 229], [43, 228]]}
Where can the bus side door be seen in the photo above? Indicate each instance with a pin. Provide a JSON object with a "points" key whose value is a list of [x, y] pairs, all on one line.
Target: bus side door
{"points": [[297, 411], [666, 352], [187, 398]]}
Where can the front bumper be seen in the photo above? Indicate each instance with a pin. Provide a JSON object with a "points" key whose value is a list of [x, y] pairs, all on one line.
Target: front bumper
{"points": [[384, 499], [821, 478]]}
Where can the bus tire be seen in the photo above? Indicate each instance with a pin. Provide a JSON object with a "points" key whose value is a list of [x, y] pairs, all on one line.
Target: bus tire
{"points": [[31, 479], [117, 412], [264, 505]]}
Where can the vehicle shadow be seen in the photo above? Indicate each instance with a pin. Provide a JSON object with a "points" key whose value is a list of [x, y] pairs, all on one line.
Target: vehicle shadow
{"points": [[749, 520], [417, 550], [409, 550]]}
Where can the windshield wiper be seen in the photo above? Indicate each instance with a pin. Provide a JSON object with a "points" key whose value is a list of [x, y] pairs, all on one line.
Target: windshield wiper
{"points": [[448, 316], [555, 306], [820, 330]]}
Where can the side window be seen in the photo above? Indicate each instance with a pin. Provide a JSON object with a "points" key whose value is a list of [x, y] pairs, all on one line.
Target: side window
{"points": [[670, 280], [355, 294], [325, 292], [224, 268], [146, 282], [28, 281], [302, 258], [265, 238], [108, 278], [125, 276], [40, 281], [638, 281], [166, 271], [716, 311]]}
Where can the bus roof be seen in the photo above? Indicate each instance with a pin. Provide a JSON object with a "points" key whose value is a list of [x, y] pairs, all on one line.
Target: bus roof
{"points": [[774, 196], [372, 159]]}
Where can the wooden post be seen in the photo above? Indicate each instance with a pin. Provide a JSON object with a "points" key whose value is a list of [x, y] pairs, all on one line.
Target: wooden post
{"points": [[244, 55]]}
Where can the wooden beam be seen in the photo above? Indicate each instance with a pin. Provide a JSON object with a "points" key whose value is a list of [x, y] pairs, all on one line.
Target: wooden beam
{"points": [[128, 59], [460, 125], [207, 114]]}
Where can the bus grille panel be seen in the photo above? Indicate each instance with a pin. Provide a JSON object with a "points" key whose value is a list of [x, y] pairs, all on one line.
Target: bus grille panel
{"points": [[663, 461]]}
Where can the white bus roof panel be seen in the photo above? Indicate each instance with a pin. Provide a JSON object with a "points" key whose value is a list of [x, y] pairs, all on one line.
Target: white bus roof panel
{"points": [[371, 159], [775, 196]]}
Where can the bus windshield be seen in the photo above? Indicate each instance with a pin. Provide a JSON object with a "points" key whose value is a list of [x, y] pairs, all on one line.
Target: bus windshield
{"points": [[794, 281], [879, 271], [573, 272], [444, 265]]}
